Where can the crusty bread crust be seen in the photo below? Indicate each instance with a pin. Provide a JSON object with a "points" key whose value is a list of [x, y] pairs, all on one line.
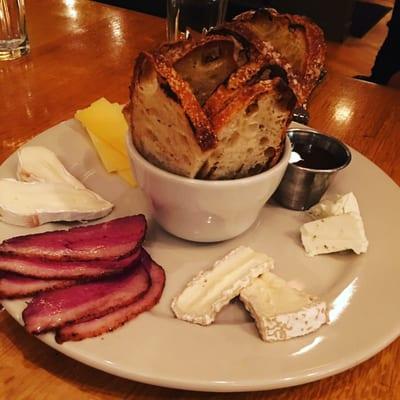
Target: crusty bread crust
{"points": [[260, 55], [168, 126], [260, 67], [251, 130], [202, 130], [308, 62], [175, 51], [181, 91], [204, 64]]}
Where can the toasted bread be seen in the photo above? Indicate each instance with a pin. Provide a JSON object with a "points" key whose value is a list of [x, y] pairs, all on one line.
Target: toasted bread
{"points": [[218, 107], [259, 67], [251, 130], [205, 63], [169, 128], [295, 37]]}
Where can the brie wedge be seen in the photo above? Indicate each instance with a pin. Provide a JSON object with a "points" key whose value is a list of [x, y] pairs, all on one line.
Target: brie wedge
{"points": [[35, 203], [211, 290], [280, 311], [332, 234], [343, 204], [39, 164]]}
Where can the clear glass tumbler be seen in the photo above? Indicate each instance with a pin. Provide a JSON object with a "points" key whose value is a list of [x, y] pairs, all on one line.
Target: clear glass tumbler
{"points": [[184, 16], [14, 41]]}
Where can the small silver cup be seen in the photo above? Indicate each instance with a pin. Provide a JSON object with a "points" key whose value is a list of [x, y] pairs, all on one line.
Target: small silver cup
{"points": [[302, 186]]}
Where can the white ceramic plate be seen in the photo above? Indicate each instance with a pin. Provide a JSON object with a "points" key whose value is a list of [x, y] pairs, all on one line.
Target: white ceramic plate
{"points": [[228, 355]]}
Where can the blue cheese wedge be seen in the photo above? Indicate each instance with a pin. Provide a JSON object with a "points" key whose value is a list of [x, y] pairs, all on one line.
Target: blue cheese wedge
{"points": [[209, 291], [342, 204], [280, 311], [333, 234]]}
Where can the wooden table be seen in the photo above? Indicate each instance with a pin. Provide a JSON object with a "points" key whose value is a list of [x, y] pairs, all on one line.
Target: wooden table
{"points": [[84, 50]]}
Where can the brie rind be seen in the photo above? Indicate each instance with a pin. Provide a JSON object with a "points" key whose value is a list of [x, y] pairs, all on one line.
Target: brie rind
{"points": [[209, 291], [35, 203], [332, 234], [280, 311], [39, 164], [343, 204]]}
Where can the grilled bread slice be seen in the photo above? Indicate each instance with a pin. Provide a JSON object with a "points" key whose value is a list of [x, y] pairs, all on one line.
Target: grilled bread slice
{"points": [[296, 38], [204, 64], [263, 62], [168, 125], [259, 67], [250, 130]]}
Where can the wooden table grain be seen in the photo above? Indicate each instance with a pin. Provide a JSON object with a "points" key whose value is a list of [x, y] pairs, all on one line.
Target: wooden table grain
{"points": [[83, 50]]}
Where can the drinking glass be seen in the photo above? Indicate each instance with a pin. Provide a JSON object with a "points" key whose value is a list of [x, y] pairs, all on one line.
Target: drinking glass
{"points": [[184, 16], [13, 36]]}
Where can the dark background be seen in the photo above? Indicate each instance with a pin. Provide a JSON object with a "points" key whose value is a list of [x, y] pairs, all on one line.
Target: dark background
{"points": [[335, 17]]}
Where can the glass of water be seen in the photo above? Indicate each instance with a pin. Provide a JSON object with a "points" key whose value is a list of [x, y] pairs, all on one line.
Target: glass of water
{"points": [[184, 16], [14, 41]]}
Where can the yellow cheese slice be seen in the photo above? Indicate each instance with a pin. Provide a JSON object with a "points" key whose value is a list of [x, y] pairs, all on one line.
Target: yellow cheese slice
{"points": [[106, 121], [112, 159], [107, 128], [127, 175]]}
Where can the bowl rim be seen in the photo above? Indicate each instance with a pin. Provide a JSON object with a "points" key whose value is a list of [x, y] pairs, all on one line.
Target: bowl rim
{"points": [[282, 163], [327, 137]]}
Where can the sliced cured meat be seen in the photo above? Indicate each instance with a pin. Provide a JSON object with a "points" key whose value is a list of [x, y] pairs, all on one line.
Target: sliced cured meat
{"points": [[54, 309], [115, 319], [53, 269], [13, 286], [108, 240]]}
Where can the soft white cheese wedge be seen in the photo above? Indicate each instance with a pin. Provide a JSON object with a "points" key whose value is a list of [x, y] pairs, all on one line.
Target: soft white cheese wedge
{"points": [[332, 234], [280, 311], [342, 204], [35, 203], [209, 291], [37, 163]]}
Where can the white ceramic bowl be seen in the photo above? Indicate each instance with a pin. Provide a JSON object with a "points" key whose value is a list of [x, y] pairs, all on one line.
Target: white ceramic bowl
{"points": [[201, 210]]}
